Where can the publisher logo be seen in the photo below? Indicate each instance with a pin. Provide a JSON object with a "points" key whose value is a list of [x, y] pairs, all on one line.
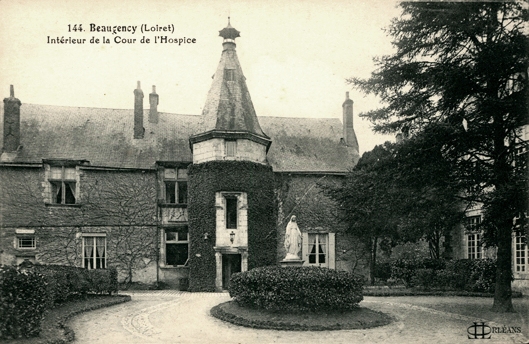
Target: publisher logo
{"points": [[479, 331]]}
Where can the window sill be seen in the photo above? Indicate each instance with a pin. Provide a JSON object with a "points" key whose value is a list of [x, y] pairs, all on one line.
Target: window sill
{"points": [[162, 204], [521, 275], [56, 205], [172, 267], [25, 254]]}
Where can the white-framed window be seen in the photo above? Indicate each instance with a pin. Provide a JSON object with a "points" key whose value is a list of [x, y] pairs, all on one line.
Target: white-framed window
{"points": [[231, 219], [175, 185], [520, 254], [474, 247], [63, 184], [176, 246], [26, 242], [25, 239], [230, 148], [473, 236], [95, 251], [318, 249]]}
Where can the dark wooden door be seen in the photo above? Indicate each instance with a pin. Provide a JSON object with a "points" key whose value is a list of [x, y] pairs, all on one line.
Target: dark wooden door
{"points": [[231, 263]]}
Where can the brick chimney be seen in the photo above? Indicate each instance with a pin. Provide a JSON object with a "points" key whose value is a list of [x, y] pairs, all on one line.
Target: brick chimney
{"points": [[153, 101], [138, 113], [348, 130], [11, 122]]}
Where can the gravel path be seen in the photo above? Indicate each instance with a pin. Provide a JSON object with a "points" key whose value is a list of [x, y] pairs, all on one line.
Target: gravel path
{"points": [[179, 317]]}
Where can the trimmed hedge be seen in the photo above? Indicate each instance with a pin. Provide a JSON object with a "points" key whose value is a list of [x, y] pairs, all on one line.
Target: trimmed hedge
{"points": [[26, 292], [297, 289], [478, 275], [67, 282], [63, 282], [407, 269], [103, 281], [23, 301]]}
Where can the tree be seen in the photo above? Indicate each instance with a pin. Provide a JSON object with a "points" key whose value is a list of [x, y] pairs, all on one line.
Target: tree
{"points": [[460, 69], [398, 193], [431, 206], [365, 199]]}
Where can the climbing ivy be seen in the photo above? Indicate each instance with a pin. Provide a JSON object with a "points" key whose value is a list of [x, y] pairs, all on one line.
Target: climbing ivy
{"points": [[204, 180]]}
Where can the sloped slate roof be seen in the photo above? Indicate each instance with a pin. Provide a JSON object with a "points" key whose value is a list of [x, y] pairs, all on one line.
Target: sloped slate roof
{"points": [[105, 138], [228, 103]]}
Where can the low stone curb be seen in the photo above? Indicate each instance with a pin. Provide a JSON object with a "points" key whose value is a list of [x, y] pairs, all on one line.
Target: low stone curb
{"points": [[68, 333], [219, 313], [407, 292]]}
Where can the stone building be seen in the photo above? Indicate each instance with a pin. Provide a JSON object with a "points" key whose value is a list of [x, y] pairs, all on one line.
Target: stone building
{"points": [[467, 241], [169, 197]]}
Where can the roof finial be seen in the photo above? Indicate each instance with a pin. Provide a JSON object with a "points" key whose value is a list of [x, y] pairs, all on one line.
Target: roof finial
{"points": [[229, 33], [11, 91]]}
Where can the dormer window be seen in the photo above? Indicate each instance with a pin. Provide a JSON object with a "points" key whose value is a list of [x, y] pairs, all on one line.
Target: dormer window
{"points": [[229, 74], [63, 184], [231, 148]]}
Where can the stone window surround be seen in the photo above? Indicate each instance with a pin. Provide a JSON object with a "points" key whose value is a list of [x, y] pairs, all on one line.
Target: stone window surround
{"points": [[331, 248], [521, 274], [230, 149], [180, 177], [472, 237], [163, 248], [84, 236], [48, 180], [474, 247], [242, 210], [222, 242], [25, 234]]}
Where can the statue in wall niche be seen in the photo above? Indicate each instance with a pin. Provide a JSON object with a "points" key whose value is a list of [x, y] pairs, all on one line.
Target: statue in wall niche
{"points": [[292, 240]]}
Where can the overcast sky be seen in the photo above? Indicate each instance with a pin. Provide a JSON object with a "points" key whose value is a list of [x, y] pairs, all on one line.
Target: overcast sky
{"points": [[295, 55]]}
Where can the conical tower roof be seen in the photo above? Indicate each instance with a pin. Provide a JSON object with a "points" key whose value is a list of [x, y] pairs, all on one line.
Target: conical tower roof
{"points": [[229, 107]]}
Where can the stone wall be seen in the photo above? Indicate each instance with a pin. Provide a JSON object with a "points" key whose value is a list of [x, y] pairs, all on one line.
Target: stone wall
{"points": [[118, 205]]}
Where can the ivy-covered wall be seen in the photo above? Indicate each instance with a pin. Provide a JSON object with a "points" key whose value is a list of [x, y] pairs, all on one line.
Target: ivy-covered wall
{"points": [[204, 180], [301, 195]]}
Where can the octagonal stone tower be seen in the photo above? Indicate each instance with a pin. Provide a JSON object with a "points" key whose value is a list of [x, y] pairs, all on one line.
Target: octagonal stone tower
{"points": [[231, 206]]}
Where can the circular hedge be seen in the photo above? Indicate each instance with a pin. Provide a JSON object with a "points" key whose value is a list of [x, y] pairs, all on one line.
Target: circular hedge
{"points": [[297, 289]]}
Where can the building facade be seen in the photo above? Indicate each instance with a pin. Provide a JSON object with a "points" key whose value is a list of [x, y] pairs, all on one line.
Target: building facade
{"points": [[169, 197], [467, 242]]}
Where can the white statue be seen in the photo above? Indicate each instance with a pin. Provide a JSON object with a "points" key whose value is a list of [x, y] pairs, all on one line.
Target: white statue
{"points": [[292, 240]]}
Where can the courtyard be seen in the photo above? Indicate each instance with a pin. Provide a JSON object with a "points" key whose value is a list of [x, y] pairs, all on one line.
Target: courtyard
{"points": [[181, 317]]}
